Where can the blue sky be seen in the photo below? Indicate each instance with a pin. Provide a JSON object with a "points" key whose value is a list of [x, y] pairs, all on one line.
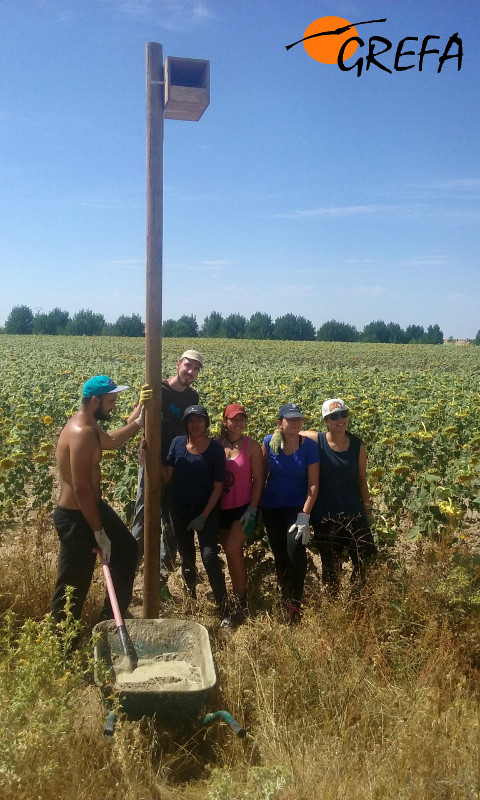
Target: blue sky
{"points": [[302, 188]]}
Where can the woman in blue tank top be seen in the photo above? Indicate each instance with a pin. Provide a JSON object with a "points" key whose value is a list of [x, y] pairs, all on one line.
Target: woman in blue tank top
{"points": [[339, 516], [291, 471]]}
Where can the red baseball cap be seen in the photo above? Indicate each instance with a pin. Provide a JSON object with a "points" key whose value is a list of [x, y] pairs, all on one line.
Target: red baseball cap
{"points": [[232, 410]]}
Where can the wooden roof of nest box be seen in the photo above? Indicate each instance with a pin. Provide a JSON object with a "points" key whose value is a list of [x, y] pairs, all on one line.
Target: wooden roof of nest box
{"points": [[187, 88]]}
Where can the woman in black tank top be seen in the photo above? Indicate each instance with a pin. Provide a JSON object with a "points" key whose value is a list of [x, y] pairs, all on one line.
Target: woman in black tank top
{"points": [[339, 516]]}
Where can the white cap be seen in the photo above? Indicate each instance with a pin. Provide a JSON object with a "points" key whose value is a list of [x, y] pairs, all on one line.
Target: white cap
{"points": [[193, 355], [332, 405]]}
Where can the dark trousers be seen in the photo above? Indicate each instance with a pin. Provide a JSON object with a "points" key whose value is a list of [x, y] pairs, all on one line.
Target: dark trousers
{"points": [[76, 561], [168, 545], [181, 516], [289, 554], [338, 533]]}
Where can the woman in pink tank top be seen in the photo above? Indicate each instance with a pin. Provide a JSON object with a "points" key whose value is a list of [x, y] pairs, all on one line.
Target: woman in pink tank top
{"points": [[240, 498]]}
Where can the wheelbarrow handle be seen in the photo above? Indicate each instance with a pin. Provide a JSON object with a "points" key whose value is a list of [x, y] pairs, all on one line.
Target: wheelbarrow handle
{"points": [[109, 727], [231, 722], [237, 728]]}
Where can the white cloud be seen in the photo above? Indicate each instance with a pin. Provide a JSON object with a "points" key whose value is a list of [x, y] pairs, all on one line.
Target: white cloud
{"points": [[456, 297], [457, 184], [125, 263], [332, 211], [208, 266], [110, 201], [366, 291], [216, 263], [171, 14], [292, 291], [440, 210], [422, 261]]}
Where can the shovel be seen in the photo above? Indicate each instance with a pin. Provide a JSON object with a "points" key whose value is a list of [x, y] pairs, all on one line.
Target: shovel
{"points": [[130, 658]]}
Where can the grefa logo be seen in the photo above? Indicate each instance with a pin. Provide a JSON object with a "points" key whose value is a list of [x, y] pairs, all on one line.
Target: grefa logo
{"points": [[334, 40]]}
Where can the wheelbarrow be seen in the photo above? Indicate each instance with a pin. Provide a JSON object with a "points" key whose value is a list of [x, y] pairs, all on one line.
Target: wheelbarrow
{"points": [[173, 675]]}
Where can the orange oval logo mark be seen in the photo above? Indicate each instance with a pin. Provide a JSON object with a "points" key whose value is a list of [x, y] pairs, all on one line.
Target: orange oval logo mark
{"points": [[324, 37]]}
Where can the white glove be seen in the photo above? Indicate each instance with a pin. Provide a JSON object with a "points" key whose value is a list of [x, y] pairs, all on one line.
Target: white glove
{"points": [[140, 420], [196, 524], [104, 544], [245, 518], [301, 528]]}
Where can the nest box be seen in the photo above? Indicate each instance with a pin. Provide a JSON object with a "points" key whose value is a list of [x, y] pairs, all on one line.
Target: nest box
{"points": [[187, 88]]}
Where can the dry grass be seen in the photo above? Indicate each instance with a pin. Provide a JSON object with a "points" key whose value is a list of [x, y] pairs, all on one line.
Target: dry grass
{"points": [[374, 695], [28, 560]]}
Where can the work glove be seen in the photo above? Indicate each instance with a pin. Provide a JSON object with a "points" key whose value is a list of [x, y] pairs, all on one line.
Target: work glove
{"points": [[140, 420], [104, 544], [248, 519], [276, 442], [196, 524], [301, 528], [146, 393]]}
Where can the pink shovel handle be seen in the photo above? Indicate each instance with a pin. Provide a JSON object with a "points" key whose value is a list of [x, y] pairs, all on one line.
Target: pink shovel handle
{"points": [[110, 589]]}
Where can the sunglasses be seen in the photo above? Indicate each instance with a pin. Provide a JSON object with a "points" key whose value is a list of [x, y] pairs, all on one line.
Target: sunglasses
{"points": [[338, 414]]}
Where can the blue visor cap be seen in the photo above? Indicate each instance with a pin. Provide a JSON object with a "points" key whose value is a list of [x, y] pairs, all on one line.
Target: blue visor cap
{"points": [[99, 385], [289, 411]]}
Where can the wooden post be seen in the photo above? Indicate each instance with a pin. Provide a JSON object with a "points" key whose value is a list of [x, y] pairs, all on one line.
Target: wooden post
{"points": [[153, 327]]}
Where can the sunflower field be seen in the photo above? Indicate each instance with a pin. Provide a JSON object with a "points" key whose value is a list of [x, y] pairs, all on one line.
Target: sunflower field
{"points": [[414, 406]]}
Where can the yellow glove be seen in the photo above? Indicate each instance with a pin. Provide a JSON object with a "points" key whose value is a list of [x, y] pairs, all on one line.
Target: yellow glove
{"points": [[146, 393]]}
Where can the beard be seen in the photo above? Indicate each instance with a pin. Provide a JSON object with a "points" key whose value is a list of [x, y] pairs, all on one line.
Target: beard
{"points": [[100, 413], [184, 380]]}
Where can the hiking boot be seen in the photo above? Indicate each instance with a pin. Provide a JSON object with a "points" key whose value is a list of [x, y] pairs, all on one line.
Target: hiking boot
{"points": [[294, 613], [240, 612]]}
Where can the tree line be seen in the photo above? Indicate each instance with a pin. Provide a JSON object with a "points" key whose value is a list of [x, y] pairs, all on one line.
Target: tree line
{"points": [[260, 325], [297, 328], [22, 320]]}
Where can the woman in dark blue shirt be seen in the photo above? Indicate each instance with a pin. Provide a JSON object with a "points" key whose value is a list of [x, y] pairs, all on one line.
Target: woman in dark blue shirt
{"points": [[339, 516], [291, 471], [196, 466]]}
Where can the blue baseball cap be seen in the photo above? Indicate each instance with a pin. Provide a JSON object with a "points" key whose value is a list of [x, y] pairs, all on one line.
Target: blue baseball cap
{"points": [[289, 411], [99, 385]]}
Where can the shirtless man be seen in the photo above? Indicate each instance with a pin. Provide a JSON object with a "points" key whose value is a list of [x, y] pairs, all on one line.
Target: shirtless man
{"points": [[82, 519]]}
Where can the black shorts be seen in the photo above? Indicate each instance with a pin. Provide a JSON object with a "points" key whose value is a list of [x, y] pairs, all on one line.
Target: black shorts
{"points": [[230, 515]]}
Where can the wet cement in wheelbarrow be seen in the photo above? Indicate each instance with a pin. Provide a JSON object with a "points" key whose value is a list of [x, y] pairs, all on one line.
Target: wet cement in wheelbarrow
{"points": [[160, 673], [173, 656]]}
